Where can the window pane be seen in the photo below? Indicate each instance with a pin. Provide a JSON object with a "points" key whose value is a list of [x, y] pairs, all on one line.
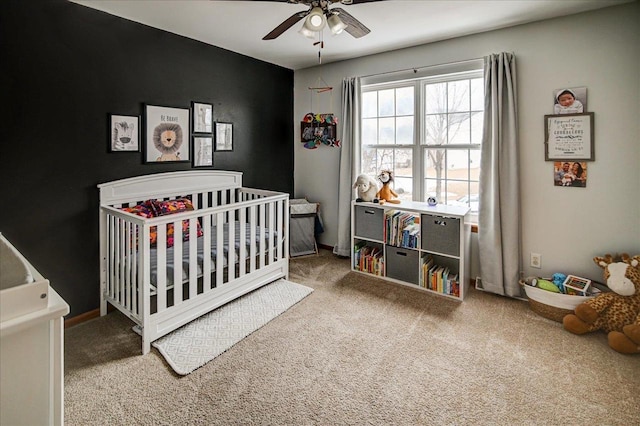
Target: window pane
{"points": [[369, 104], [459, 128], [474, 164], [404, 101], [435, 129], [458, 96], [435, 163], [458, 164], [369, 131], [404, 130], [403, 187], [385, 160], [436, 98], [369, 161], [477, 94], [387, 103], [387, 131], [477, 124], [403, 160]]}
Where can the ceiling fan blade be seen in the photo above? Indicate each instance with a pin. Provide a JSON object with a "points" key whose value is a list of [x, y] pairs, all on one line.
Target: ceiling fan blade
{"points": [[348, 2], [354, 27], [288, 23]]}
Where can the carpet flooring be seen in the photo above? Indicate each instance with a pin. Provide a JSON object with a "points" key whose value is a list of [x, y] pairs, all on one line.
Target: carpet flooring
{"points": [[360, 350]]}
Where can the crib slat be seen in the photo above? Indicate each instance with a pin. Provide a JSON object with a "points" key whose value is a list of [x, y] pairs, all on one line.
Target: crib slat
{"points": [[242, 219], [177, 262], [193, 267], [127, 258], [161, 268], [252, 234], [206, 248], [231, 257], [261, 243], [219, 249], [279, 212], [134, 270], [144, 277], [271, 216]]}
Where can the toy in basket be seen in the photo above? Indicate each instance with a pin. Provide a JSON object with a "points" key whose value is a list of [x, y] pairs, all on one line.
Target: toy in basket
{"points": [[546, 297]]}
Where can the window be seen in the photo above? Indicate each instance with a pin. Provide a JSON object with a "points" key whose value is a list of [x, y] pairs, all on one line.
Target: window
{"points": [[428, 131]]}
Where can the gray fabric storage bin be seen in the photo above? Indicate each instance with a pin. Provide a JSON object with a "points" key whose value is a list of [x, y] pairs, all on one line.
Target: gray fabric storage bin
{"points": [[369, 222], [302, 238], [402, 264], [441, 234]]}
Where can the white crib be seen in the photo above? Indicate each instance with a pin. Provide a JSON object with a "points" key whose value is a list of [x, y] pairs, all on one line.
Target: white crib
{"points": [[244, 245]]}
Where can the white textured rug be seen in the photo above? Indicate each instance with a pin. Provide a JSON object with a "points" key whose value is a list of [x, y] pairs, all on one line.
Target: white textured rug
{"points": [[203, 339]]}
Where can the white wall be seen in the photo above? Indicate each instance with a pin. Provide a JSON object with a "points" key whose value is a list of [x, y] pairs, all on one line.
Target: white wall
{"points": [[568, 226]]}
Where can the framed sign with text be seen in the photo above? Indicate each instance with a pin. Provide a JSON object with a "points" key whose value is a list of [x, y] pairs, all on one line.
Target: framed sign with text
{"points": [[569, 137]]}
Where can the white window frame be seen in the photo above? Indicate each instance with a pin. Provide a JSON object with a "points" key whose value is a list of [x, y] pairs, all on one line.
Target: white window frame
{"points": [[418, 80]]}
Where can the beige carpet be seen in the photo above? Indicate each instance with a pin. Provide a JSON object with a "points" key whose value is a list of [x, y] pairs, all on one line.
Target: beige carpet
{"points": [[359, 350]]}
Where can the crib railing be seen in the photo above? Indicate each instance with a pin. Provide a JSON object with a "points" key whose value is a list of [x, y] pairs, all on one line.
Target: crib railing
{"points": [[257, 216]]}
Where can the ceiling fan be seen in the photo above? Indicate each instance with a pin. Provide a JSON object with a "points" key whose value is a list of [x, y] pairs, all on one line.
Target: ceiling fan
{"points": [[318, 15]]}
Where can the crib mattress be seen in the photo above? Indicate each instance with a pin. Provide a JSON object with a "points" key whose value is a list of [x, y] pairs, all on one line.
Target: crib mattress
{"points": [[212, 255]]}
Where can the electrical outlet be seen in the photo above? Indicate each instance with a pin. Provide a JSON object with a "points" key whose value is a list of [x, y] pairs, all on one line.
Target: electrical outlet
{"points": [[536, 260]]}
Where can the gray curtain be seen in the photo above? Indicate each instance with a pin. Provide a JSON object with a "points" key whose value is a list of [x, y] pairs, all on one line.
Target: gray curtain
{"points": [[349, 159], [499, 227]]}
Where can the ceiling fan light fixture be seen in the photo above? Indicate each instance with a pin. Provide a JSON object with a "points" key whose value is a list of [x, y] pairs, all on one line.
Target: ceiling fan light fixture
{"points": [[315, 20], [335, 24], [306, 32]]}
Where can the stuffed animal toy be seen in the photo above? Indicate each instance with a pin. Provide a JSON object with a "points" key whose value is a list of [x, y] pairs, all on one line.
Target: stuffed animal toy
{"points": [[616, 312], [386, 194], [367, 188]]}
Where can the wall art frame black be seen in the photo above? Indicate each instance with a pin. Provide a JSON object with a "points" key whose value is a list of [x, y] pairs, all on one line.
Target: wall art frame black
{"points": [[124, 133], [167, 135], [202, 150], [202, 117], [224, 136]]}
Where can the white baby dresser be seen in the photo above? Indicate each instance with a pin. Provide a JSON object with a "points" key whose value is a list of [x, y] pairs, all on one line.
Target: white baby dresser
{"points": [[31, 343]]}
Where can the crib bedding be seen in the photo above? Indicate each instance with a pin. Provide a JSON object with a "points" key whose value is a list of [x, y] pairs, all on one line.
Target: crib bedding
{"points": [[213, 252]]}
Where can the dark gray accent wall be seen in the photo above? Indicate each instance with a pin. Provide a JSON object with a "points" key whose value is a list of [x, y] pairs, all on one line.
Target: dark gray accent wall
{"points": [[64, 68]]}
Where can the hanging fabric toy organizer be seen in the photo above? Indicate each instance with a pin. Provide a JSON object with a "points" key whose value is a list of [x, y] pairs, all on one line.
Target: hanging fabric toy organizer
{"points": [[319, 129]]}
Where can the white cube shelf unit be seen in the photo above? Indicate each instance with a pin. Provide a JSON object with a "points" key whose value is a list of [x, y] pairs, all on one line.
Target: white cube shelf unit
{"points": [[414, 244]]}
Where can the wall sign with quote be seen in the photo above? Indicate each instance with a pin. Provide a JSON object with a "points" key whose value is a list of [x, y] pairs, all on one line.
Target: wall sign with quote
{"points": [[569, 137]]}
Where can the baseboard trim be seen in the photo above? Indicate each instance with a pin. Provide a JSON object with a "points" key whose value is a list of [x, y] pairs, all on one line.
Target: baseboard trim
{"points": [[79, 319]]}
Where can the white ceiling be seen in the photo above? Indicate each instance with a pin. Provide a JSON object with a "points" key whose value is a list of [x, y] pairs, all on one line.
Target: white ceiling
{"points": [[239, 26]]}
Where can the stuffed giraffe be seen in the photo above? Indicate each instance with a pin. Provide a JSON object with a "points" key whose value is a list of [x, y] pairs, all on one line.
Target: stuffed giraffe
{"points": [[616, 312]]}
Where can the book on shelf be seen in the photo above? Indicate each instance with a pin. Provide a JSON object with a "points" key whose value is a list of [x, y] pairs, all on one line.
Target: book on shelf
{"points": [[401, 229]]}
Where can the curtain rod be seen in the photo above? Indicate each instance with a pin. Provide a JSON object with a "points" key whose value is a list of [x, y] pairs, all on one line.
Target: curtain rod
{"points": [[416, 69]]}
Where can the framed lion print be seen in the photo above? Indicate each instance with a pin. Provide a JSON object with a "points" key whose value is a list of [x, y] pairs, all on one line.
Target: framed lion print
{"points": [[167, 134]]}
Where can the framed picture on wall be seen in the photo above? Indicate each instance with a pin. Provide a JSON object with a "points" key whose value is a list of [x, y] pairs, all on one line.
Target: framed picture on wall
{"points": [[167, 134], [569, 137], [124, 133], [202, 151], [202, 117], [224, 137]]}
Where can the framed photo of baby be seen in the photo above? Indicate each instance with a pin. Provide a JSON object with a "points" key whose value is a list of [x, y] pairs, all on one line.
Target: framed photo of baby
{"points": [[572, 174], [570, 100]]}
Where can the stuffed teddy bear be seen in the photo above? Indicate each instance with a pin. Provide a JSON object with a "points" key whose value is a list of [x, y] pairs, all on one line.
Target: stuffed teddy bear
{"points": [[367, 188], [386, 194], [616, 312]]}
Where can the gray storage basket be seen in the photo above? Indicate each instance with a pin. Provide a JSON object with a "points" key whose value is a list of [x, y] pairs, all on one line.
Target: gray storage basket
{"points": [[302, 239]]}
